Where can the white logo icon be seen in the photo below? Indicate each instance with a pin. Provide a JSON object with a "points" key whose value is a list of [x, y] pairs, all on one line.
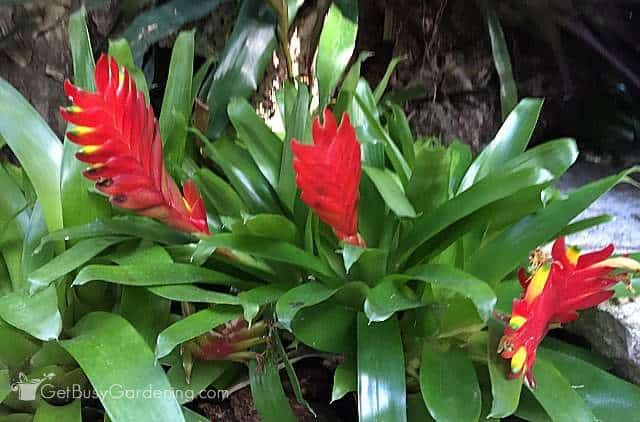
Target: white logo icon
{"points": [[27, 388]]}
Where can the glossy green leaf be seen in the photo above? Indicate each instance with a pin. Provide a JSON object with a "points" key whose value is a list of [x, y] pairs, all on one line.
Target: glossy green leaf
{"points": [[377, 133], [199, 78], [31, 261], [111, 352], [449, 384], [218, 195], [203, 374], [252, 300], [148, 313], [391, 296], [530, 409], [37, 315], [505, 392], [381, 382], [141, 227], [245, 57], [486, 191], [336, 45], [14, 222], [190, 293], [120, 50], [349, 84], [75, 189], [557, 396], [156, 274], [585, 224], [502, 61], [506, 250], [192, 326], [244, 175], [511, 140], [36, 147], [16, 347], [275, 250], [281, 354], [416, 410], [305, 295], [345, 379], [48, 413], [384, 82], [267, 392], [5, 384], [272, 226], [68, 261], [51, 353], [310, 327], [363, 112], [263, 145], [609, 397], [400, 131], [391, 191], [296, 123], [428, 186], [177, 94], [350, 255], [160, 21], [556, 156]]}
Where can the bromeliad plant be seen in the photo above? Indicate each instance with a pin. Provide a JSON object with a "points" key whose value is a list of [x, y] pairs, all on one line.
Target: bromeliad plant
{"points": [[342, 233]]}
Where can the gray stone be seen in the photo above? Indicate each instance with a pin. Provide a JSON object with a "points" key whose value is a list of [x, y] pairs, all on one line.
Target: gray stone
{"points": [[622, 202], [613, 329]]}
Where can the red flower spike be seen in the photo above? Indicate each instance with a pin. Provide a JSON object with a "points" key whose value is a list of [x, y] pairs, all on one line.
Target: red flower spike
{"points": [[552, 295], [120, 141], [229, 341], [328, 175]]}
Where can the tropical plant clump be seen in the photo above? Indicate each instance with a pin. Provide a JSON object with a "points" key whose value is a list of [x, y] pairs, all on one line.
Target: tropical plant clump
{"points": [[343, 233]]}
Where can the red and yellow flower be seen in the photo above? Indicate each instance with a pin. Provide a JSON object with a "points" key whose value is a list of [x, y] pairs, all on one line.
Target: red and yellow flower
{"points": [[121, 143], [328, 175], [553, 295]]}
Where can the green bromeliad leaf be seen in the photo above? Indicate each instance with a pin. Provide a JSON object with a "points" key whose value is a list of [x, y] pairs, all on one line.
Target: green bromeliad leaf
{"points": [[111, 352], [192, 326], [37, 148], [381, 382], [268, 394], [336, 45], [510, 141], [449, 384], [392, 295]]}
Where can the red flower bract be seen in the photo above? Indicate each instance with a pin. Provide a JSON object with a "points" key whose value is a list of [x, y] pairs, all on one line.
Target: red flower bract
{"points": [[121, 142], [328, 175], [553, 295]]}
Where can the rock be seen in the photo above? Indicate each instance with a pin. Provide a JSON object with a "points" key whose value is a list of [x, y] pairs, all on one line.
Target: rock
{"points": [[622, 202], [613, 329]]}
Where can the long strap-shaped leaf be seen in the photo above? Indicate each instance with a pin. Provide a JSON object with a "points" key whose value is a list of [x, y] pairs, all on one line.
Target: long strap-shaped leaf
{"points": [[121, 141]]}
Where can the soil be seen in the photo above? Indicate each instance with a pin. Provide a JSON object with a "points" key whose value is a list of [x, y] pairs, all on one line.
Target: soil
{"points": [[316, 380]]}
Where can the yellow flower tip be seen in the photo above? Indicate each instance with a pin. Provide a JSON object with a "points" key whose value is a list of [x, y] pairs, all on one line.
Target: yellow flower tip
{"points": [[186, 205], [120, 77], [516, 322], [74, 109], [538, 281], [573, 253], [89, 149], [518, 360], [620, 262], [81, 130]]}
